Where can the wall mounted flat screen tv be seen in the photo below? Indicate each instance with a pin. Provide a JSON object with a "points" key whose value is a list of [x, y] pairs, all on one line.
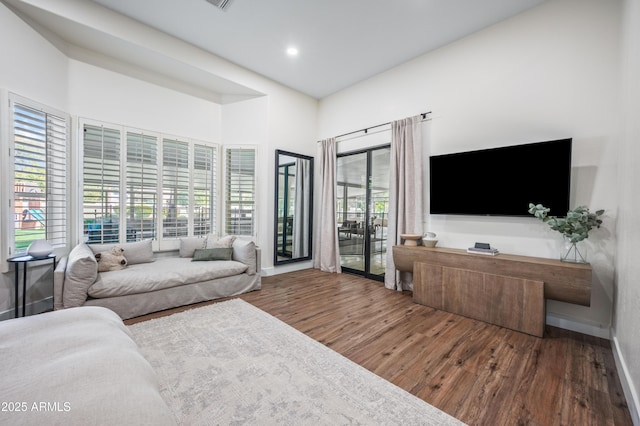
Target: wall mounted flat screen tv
{"points": [[502, 181]]}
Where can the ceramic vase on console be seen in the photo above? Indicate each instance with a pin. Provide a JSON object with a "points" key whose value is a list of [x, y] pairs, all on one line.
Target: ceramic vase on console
{"points": [[40, 248], [574, 252], [429, 239], [410, 239]]}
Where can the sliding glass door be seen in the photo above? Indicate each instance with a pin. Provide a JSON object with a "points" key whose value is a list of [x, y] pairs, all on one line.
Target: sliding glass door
{"points": [[362, 208]]}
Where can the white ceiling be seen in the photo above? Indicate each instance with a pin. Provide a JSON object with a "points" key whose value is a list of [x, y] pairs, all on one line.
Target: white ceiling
{"points": [[341, 42]]}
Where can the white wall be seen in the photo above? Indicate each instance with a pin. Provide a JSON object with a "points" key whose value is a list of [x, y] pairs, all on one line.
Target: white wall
{"points": [[31, 66], [107, 96], [247, 123], [292, 127], [626, 333], [285, 120], [34, 69], [549, 73]]}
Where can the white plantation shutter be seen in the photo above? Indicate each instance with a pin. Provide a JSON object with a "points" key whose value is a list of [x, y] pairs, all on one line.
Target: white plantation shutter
{"points": [[240, 186], [141, 186], [204, 190], [101, 179], [40, 176], [175, 188], [57, 184]]}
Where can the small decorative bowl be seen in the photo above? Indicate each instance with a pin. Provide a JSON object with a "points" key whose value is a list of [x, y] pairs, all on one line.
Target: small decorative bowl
{"points": [[39, 249], [429, 243]]}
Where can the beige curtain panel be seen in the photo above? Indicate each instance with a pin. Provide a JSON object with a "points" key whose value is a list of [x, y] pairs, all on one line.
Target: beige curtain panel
{"points": [[326, 255], [405, 194]]}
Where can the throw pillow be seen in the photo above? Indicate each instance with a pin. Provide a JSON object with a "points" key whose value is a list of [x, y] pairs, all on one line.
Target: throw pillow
{"points": [[190, 244], [81, 273], [220, 253], [136, 252], [226, 241], [245, 251]]}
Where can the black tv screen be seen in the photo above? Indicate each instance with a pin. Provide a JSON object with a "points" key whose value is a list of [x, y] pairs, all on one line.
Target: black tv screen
{"points": [[502, 181]]}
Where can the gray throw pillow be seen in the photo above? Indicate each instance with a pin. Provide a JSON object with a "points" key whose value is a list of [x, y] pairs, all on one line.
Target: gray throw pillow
{"points": [[220, 253]]}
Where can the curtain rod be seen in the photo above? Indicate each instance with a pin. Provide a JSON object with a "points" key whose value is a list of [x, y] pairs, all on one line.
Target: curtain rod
{"points": [[366, 129]]}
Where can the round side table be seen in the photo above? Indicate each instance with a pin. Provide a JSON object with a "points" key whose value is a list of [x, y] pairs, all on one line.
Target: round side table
{"points": [[24, 260]]}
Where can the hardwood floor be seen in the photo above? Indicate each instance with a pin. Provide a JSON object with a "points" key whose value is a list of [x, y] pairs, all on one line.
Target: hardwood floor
{"points": [[479, 373]]}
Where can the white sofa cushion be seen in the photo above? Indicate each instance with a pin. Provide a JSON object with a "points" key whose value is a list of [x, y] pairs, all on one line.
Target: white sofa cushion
{"points": [[164, 273], [81, 273], [84, 363]]}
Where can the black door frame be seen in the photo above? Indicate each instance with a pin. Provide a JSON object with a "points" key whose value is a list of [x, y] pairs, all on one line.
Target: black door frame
{"points": [[366, 234]]}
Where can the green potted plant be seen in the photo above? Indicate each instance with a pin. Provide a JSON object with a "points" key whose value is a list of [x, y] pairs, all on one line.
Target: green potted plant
{"points": [[574, 227]]}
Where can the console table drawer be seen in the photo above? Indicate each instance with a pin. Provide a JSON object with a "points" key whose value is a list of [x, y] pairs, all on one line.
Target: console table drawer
{"points": [[510, 302]]}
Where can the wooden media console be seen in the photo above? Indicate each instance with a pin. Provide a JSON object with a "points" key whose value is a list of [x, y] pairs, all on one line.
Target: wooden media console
{"points": [[505, 290]]}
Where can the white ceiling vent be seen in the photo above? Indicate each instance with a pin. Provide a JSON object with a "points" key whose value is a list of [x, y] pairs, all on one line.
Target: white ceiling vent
{"points": [[222, 4]]}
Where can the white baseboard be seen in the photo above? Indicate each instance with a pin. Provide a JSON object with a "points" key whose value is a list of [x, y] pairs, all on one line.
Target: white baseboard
{"points": [[32, 308], [630, 392], [287, 267], [580, 327]]}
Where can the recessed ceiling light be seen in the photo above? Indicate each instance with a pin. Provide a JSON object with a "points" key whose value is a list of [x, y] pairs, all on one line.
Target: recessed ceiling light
{"points": [[292, 51]]}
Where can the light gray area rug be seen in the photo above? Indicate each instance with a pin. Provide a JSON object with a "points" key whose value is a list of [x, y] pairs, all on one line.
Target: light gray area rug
{"points": [[231, 363]]}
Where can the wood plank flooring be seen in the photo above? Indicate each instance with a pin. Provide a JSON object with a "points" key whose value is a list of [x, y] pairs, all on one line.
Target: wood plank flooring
{"points": [[479, 373]]}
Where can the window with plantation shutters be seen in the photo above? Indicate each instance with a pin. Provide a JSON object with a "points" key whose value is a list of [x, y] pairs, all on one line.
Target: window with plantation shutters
{"points": [[204, 190], [40, 166], [240, 186], [141, 186], [101, 184], [175, 188]]}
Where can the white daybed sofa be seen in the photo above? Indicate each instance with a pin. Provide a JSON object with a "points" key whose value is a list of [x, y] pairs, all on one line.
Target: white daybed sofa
{"points": [[149, 284], [76, 366]]}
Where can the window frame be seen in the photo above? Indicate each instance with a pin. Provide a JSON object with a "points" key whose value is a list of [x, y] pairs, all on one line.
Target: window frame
{"points": [[81, 170], [74, 159], [7, 127], [214, 193], [166, 242], [225, 191], [127, 204], [159, 243]]}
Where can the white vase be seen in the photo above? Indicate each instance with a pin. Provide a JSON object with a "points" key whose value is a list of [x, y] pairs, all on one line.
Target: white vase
{"points": [[40, 248]]}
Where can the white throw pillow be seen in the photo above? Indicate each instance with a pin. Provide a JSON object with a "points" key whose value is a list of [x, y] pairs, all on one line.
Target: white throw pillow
{"points": [[245, 252], [189, 245], [81, 272], [222, 242]]}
